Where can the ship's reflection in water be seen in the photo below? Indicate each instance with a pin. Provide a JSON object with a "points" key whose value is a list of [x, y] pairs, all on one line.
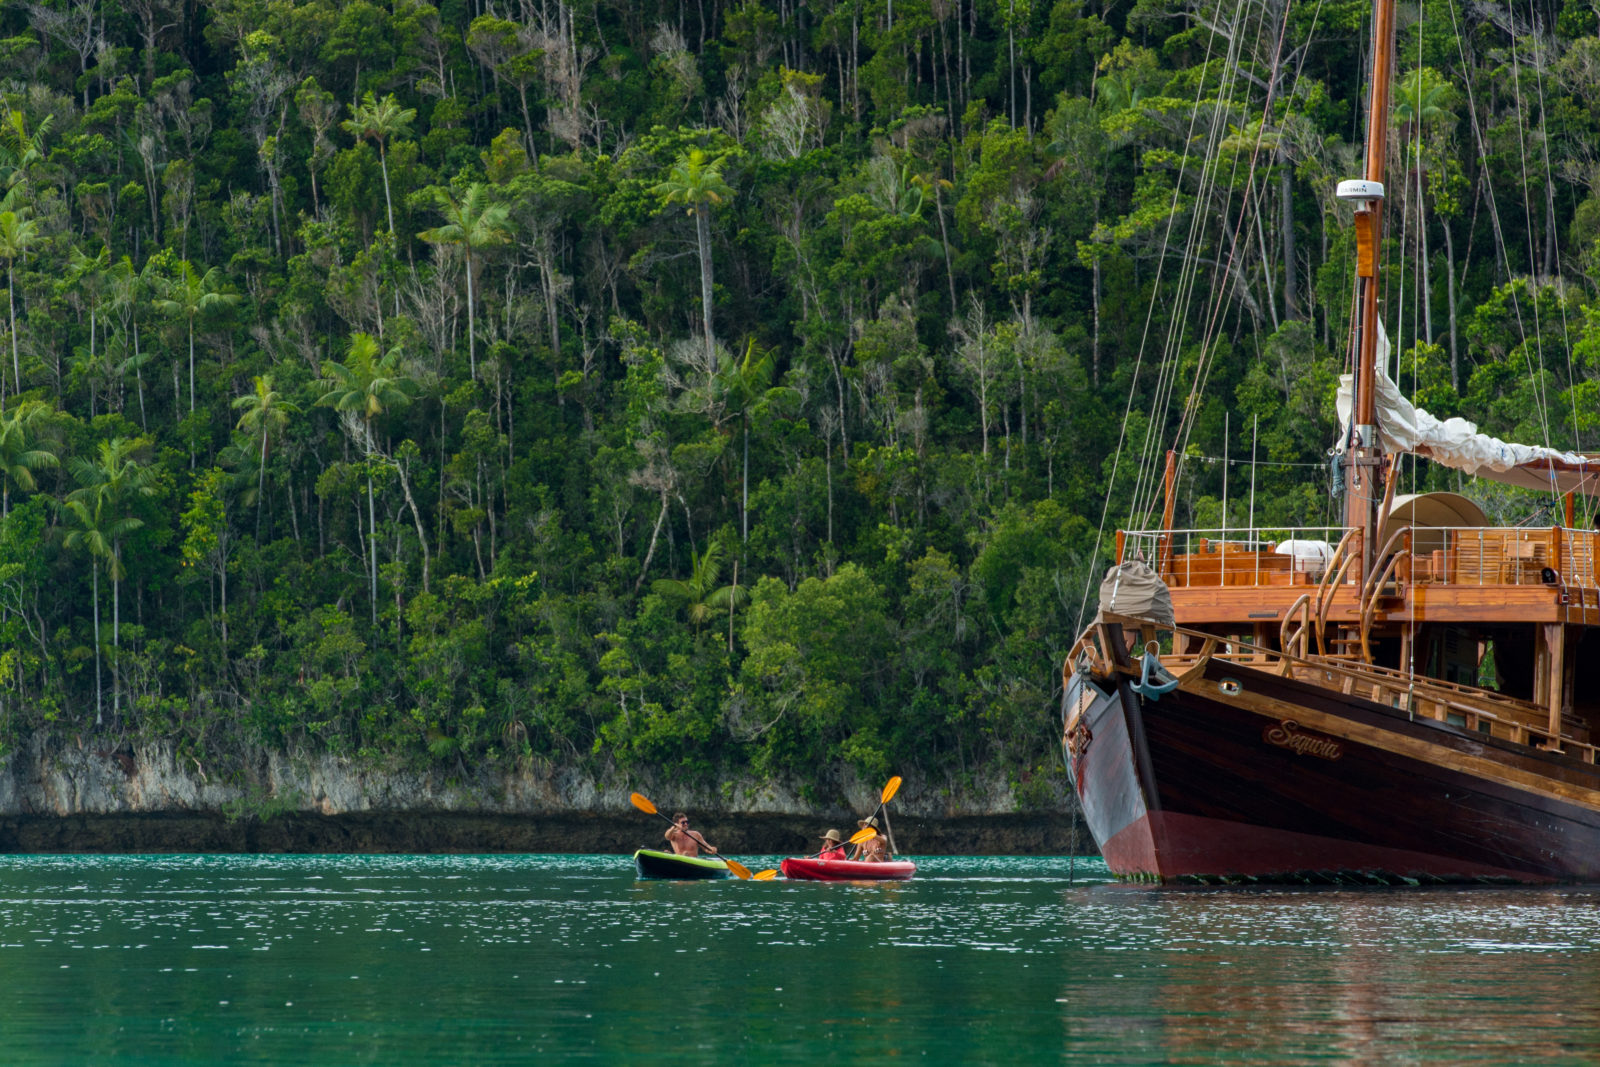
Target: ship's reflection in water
{"points": [[1287, 976]]}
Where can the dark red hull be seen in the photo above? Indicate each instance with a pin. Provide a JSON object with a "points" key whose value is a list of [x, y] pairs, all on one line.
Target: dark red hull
{"points": [[1202, 786]]}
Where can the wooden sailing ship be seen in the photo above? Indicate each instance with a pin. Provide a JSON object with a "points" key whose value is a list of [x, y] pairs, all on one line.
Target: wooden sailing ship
{"points": [[1313, 707]]}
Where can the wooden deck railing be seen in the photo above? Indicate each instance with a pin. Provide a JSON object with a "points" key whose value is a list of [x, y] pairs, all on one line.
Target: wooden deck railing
{"points": [[1437, 556]]}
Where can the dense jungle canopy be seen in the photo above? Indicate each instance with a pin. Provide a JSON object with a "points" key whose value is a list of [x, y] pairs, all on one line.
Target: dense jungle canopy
{"points": [[701, 387]]}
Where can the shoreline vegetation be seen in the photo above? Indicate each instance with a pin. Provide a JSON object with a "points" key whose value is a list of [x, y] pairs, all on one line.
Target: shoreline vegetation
{"points": [[424, 832], [698, 394], [71, 799]]}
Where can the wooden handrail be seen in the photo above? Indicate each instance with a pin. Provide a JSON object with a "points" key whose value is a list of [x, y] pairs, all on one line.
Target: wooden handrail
{"points": [[1302, 604], [1326, 590], [1369, 601]]}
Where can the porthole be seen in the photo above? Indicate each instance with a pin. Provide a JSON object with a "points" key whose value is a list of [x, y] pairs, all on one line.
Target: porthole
{"points": [[1230, 687]]}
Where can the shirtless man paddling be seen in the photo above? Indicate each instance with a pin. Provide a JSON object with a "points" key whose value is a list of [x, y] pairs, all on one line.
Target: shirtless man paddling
{"points": [[684, 841]]}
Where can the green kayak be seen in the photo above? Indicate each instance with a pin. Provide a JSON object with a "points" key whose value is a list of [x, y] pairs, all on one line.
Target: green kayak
{"points": [[653, 864]]}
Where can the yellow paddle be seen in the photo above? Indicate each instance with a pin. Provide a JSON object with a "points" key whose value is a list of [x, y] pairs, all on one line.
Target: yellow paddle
{"points": [[642, 802], [855, 839], [889, 791]]}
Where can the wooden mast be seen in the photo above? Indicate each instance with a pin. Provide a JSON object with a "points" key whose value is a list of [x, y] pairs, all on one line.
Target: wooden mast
{"points": [[1363, 459]]}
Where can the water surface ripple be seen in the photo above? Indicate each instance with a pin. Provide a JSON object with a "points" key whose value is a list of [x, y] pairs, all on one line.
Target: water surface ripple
{"points": [[509, 959]]}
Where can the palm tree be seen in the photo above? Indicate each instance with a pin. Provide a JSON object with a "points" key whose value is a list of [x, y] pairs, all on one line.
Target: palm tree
{"points": [[18, 233], [191, 294], [699, 593], [746, 387], [380, 121], [98, 508], [266, 413], [696, 183], [128, 288], [473, 222], [19, 149], [364, 386], [21, 432], [84, 282]]}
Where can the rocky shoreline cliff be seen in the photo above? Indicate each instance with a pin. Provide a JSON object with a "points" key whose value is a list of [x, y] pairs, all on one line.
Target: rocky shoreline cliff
{"points": [[69, 797]]}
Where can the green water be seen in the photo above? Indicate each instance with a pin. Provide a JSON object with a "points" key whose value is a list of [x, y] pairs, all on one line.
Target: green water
{"points": [[497, 959]]}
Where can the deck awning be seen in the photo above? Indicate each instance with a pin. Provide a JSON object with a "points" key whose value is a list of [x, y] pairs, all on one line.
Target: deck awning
{"points": [[1434, 510]]}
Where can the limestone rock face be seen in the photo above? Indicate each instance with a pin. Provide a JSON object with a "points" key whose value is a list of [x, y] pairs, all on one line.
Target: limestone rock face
{"points": [[74, 797]]}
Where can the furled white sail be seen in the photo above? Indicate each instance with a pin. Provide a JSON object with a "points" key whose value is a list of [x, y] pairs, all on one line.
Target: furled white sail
{"points": [[1404, 427]]}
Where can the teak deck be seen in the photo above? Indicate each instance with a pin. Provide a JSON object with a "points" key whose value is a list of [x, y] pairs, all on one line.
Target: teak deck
{"points": [[1477, 575]]}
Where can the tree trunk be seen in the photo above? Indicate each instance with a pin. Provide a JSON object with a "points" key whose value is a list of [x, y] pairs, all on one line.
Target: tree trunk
{"points": [[383, 163], [416, 517], [744, 506], [1291, 296], [1094, 342], [944, 239], [1427, 273], [99, 718], [372, 538], [1266, 271], [654, 534], [1450, 285], [702, 229], [11, 296], [138, 376], [116, 642], [261, 485], [472, 351]]}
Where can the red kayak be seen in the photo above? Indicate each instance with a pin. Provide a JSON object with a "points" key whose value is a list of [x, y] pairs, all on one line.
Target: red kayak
{"points": [[816, 870]]}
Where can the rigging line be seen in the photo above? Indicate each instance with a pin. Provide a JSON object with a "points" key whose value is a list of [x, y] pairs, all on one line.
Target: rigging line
{"points": [[1424, 259], [1167, 377], [1483, 174], [1223, 279], [1284, 464], [1149, 445], [1249, 203], [1133, 382], [1200, 214], [1555, 236], [1161, 398], [1400, 281], [1534, 372], [1206, 195], [1424, 298]]}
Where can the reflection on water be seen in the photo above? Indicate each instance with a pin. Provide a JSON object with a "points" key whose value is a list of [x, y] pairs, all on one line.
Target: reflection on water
{"points": [[387, 959]]}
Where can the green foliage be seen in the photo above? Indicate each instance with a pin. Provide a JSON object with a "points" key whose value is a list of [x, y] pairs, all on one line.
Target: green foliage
{"points": [[448, 386]]}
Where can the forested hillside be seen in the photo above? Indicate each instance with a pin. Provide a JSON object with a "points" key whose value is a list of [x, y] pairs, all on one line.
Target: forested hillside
{"points": [[701, 386]]}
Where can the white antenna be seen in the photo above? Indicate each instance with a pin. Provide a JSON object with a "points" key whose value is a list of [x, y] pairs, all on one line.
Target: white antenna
{"points": [[1255, 427]]}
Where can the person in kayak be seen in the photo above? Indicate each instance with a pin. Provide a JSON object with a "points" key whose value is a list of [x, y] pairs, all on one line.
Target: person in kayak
{"points": [[684, 841], [832, 849], [874, 849]]}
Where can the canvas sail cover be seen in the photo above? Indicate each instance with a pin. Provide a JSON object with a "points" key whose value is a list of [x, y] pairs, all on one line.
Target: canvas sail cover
{"points": [[1132, 588], [1404, 427]]}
